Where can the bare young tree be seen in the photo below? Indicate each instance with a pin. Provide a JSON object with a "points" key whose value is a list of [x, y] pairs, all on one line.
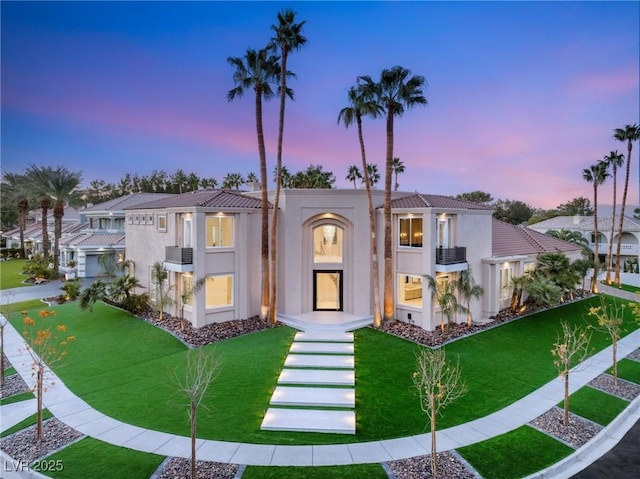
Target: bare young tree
{"points": [[570, 349], [610, 320], [438, 384], [202, 368]]}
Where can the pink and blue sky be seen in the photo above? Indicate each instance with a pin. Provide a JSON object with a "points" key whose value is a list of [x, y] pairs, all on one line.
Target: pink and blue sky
{"points": [[522, 95]]}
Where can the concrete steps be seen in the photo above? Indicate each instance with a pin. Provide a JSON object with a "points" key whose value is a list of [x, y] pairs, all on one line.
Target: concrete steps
{"points": [[314, 397], [302, 402], [317, 377], [306, 420], [322, 348]]}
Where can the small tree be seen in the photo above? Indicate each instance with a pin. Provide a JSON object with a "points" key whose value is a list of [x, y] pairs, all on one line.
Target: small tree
{"points": [[161, 298], [571, 348], [93, 293], [444, 293], [46, 346], [610, 320], [201, 370], [468, 289], [437, 384]]}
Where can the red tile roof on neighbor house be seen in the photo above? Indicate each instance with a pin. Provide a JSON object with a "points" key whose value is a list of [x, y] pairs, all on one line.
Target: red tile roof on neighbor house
{"points": [[508, 240], [435, 201], [204, 199], [127, 201]]}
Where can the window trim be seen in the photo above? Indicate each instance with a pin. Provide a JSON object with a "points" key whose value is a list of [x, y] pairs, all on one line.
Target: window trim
{"points": [[219, 218], [233, 298], [410, 219]]}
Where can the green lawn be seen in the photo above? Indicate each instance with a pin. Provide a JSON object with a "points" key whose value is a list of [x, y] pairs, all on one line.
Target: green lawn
{"points": [[629, 369], [515, 454], [369, 471], [595, 405], [10, 273], [99, 460], [30, 421], [125, 367]]}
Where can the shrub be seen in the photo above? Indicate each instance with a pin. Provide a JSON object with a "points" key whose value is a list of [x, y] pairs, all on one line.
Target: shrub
{"points": [[71, 289], [136, 303], [38, 267]]}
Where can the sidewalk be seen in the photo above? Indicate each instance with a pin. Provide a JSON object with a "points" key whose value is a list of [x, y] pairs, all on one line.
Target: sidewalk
{"points": [[79, 415]]}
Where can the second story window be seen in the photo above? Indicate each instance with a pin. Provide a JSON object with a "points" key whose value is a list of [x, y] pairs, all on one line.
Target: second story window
{"points": [[219, 231], [410, 232]]}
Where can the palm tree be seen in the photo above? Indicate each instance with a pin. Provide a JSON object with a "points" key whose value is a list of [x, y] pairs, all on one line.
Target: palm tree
{"points": [[287, 38], [354, 172], [361, 104], [252, 177], [468, 289], [595, 174], [15, 187], [37, 180], [629, 133], [574, 237], [395, 91], [372, 173], [444, 293], [258, 70], [60, 184], [398, 168], [232, 181], [615, 160]]}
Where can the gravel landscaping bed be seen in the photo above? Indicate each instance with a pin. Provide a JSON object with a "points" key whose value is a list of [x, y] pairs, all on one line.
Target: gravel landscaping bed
{"points": [[458, 330], [211, 333], [449, 467], [635, 355], [624, 389], [576, 434], [180, 468], [13, 385], [22, 445]]}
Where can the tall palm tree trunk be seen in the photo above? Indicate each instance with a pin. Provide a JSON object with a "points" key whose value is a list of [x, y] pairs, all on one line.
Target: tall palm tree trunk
{"points": [[264, 300], [613, 220], [58, 213], [596, 258], [377, 317], [46, 244], [276, 202], [621, 222], [388, 257]]}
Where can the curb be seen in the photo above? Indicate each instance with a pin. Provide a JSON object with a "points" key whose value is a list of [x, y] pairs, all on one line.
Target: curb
{"points": [[597, 447]]}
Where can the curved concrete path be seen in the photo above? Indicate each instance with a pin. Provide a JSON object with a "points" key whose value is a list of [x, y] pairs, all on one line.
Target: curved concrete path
{"points": [[75, 412]]}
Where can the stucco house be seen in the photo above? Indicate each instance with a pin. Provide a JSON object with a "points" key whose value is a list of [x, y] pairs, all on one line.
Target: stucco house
{"points": [[323, 252], [100, 232], [629, 249]]}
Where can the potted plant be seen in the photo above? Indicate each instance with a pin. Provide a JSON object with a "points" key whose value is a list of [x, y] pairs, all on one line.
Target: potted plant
{"points": [[71, 272]]}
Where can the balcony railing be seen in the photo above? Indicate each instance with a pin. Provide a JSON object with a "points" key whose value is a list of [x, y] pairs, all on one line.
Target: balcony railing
{"points": [[454, 255], [176, 254]]}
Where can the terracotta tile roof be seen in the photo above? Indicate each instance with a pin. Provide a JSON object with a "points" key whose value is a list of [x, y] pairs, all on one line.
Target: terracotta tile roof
{"points": [[435, 201], [205, 199], [510, 240], [127, 201], [93, 239]]}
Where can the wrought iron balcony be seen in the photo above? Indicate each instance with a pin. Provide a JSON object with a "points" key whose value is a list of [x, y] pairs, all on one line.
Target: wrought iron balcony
{"points": [[454, 255], [178, 255]]}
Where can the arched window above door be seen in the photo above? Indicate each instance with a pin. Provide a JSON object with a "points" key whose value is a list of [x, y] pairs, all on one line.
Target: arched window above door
{"points": [[327, 244]]}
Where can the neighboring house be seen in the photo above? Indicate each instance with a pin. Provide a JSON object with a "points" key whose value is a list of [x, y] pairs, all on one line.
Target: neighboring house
{"points": [[514, 253], [324, 259], [629, 250], [102, 232], [71, 223]]}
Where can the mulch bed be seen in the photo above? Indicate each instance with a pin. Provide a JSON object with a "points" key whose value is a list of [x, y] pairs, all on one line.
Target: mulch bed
{"points": [[576, 434], [180, 468], [449, 466]]}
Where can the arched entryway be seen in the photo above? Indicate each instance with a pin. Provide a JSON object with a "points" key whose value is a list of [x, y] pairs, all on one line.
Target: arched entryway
{"points": [[328, 276]]}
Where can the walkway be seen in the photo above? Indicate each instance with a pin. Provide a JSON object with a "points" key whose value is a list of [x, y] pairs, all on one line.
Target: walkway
{"points": [[78, 414]]}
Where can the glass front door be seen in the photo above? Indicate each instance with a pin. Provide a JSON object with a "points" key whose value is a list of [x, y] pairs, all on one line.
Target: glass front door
{"points": [[327, 290]]}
